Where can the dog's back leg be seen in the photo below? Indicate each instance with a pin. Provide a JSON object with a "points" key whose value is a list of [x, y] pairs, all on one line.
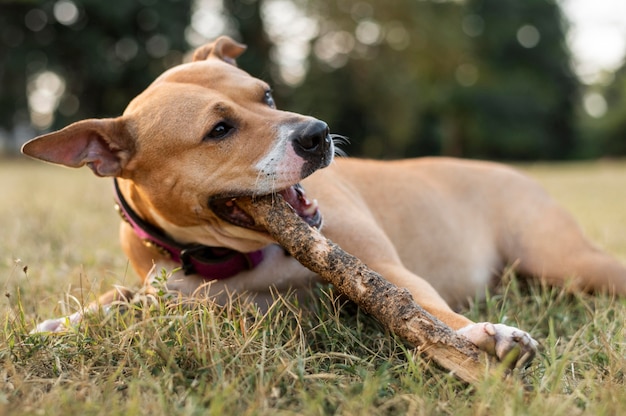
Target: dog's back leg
{"points": [[550, 245]]}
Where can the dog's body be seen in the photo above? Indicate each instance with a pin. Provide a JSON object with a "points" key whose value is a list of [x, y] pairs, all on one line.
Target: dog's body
{"points": [[206, 132]]}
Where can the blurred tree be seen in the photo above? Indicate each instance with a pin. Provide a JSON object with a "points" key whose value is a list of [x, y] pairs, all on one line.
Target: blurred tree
{"points": [[523, 105], [247, 17], [611, 129], [381, 71], [95, 56], [483, 78], [479, 78]]}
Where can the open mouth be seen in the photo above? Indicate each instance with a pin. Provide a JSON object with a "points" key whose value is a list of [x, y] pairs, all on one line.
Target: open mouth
{"points": [[228, 210]]}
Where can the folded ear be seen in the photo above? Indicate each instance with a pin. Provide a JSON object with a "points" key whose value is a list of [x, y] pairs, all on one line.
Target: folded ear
{"points": [[105, 145], [223, 48]]}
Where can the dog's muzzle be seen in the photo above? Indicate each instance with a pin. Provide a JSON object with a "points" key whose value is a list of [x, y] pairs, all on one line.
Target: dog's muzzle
{"points": [[312, 142]]}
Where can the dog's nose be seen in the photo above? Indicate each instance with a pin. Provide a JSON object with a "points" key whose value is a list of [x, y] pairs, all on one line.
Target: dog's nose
{"points": [[313, 140]]}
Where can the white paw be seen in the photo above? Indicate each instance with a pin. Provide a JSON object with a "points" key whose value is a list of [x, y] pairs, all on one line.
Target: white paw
{"points": [[59, 324], [504, 342]]}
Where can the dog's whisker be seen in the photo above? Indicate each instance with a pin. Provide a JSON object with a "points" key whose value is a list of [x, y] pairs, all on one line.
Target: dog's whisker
{"points": [[256, 182], [265, 183], [339, 140], [264, 178], [273, 187]]}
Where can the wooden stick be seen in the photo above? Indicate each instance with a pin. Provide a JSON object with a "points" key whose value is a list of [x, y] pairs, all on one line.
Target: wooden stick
{"points": [[390, 305]]}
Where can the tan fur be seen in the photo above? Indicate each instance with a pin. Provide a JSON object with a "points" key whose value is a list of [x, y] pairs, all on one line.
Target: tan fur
{"points": [[443, 228]]}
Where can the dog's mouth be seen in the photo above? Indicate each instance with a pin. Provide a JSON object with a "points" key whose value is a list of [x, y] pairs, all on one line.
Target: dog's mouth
{"points": [[228, 210]]}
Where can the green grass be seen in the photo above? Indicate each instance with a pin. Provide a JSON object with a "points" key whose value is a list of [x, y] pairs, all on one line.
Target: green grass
{"points": [[59, 242]]}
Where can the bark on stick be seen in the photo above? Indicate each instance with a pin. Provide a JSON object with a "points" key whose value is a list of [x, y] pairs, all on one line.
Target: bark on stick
{"points": [[390, 305]]}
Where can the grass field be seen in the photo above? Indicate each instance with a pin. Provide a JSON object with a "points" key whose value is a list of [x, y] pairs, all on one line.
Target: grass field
{"points": [[59, 243]]}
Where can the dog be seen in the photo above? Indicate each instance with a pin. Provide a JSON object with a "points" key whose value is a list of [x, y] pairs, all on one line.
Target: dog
{"points": [[205, 133]]}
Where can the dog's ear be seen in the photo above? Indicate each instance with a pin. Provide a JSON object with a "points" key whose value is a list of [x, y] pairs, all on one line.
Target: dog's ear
{"points": [[223, 48], [105, 145]]}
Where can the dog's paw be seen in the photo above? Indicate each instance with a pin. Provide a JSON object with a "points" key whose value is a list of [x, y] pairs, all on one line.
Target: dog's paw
{"points": [[504, 342], [59, 324]]}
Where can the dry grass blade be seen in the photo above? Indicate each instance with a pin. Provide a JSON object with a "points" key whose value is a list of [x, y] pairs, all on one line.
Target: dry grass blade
{"points": [[390, 305]]}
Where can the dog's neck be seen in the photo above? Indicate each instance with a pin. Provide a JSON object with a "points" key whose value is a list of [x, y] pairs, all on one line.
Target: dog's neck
{"points": [[212, 263]]}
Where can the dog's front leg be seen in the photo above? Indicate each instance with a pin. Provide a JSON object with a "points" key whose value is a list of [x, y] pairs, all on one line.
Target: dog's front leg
{"points": [[504, 342], [141, 258], [104, 304]]}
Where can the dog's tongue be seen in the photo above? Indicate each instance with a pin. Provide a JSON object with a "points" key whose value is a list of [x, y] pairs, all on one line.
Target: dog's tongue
{"points": [[305, 208]]}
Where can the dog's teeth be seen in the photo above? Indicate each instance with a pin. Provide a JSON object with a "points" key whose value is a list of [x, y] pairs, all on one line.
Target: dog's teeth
{"points": [[311, 208]]}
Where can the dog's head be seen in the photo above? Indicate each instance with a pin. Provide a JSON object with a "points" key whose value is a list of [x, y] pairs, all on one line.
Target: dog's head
{"points": [[201, 135]]}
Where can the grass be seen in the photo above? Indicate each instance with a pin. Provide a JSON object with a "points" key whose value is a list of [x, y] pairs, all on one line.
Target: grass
{"points": [[60, 243]]}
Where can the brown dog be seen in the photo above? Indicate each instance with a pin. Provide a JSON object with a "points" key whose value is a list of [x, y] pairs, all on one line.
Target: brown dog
{"points": [[206, 132]]}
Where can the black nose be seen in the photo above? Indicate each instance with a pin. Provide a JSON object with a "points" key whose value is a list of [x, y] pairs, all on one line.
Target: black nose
{"points": [[313, 141]]}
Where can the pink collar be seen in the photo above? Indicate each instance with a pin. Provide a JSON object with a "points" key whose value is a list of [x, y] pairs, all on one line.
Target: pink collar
{"points": [[212, 263]]}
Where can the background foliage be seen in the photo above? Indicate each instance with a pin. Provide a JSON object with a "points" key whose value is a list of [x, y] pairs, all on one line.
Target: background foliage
{"points": [[474, 78]]}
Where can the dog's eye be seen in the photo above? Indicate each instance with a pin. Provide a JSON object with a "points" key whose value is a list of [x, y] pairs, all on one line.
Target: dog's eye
{"points": [[220, 131], [269, 100]]}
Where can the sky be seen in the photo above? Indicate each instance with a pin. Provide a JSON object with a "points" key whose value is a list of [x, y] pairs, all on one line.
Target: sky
{"points": [[597, 36]]}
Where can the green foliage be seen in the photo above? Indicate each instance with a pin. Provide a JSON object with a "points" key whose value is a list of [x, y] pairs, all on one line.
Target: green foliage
{"points": [[387, 96], [476, 78], [464, 84], [524, 105], [606, 135], [109, 54], [256, 60]]}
